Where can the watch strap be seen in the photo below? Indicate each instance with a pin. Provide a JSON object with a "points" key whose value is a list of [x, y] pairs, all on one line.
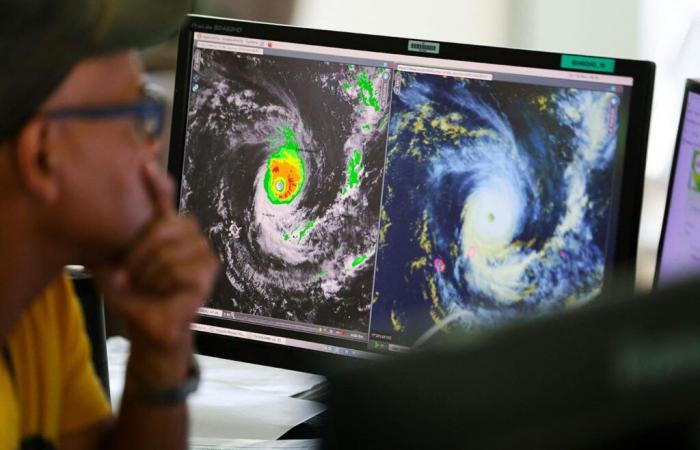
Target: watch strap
{"points": [[172, 395]]}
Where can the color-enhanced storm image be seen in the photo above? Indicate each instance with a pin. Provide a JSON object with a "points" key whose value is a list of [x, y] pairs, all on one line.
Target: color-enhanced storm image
{"points": [[292, 153], [496, 203]]}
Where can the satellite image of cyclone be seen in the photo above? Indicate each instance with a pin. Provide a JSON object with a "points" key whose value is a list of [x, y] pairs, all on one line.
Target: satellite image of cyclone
{"points": [[496, 203], [293, 154]]}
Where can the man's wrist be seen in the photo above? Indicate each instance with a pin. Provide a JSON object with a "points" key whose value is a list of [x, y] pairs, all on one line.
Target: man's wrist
{"points": [[159, 368], [171, 395], [160, 376]]}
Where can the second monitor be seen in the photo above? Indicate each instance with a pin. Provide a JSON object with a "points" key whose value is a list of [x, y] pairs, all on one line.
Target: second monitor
{"points": [[679, 253]]}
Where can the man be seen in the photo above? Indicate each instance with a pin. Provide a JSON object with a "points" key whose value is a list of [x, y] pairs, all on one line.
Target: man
{"points": [[77, 185]]}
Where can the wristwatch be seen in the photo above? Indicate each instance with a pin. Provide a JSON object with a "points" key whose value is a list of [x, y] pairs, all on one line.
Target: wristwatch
{"points": [[173, 395]]}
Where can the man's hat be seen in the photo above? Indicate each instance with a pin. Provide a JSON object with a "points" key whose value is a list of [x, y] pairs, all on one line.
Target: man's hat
{"points": [[41, 41]]}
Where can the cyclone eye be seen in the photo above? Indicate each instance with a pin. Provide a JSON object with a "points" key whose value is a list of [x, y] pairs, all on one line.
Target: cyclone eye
{"points": [[286, 173]]}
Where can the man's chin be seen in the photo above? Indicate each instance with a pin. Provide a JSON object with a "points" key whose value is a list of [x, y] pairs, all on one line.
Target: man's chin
{"points": [[117, 250], [106, 257]]}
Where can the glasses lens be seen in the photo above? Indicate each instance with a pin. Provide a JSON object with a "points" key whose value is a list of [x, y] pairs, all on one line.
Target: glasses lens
{"points": [[149, 123]]}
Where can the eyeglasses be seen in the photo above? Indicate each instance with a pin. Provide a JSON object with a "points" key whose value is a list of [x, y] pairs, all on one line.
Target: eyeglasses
{"points": [[148, 114]]}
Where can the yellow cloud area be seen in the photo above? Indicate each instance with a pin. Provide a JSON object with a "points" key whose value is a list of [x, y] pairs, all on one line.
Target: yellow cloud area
{"points": [[386, 224], [437, 312], [455, 131], [448, 125], [389, 193], [415, 152], [416, 122], [419, 126], [405, 120], [396, 322], [454, 250], [526, 293], [542, 102], [419, 263], [423, 239], [393, 150], [519, 245], [423, 120]]}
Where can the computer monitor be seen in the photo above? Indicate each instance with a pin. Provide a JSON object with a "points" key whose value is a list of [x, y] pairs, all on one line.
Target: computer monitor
{"points": [[679, 249], [367, 193]]}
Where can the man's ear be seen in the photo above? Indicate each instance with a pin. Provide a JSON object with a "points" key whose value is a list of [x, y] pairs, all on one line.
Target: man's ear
{"points": [[36, 165]]}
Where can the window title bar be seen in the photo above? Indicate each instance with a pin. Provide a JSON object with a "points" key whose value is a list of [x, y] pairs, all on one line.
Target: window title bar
{"points": [[391, 59]]}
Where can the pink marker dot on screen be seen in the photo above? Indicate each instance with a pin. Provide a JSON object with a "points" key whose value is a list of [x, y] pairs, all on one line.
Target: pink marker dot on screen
{"points": [[439, 265]]}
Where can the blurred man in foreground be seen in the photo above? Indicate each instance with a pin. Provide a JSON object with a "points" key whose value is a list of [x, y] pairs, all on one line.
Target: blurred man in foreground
{"points": [[78, 133]]}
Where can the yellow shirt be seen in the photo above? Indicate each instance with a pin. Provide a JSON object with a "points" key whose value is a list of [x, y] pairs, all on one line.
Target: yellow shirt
{"points": [[51, 388]]}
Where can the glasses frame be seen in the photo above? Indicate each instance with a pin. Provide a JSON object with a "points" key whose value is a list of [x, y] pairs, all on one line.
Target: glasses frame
{"points": [[149, 111]]}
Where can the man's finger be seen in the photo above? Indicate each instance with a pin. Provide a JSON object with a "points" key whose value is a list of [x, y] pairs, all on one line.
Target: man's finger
{"points": [[164, 263], [163, 233], [161, 189], [176, 231]]}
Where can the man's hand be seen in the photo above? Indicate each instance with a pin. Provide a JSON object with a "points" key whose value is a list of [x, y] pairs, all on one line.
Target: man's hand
{"points": [[165, 277]]}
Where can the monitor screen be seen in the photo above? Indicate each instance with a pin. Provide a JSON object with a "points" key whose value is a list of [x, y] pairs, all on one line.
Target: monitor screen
{"points": [[679, 250], [363, 201]]}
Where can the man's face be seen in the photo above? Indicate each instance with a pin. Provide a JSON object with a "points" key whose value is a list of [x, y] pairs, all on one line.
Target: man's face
{"points": [[103, 202]]}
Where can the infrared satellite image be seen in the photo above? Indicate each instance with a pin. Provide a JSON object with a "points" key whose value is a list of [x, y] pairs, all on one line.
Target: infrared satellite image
{"points": [[294, 156], [496, 202]]}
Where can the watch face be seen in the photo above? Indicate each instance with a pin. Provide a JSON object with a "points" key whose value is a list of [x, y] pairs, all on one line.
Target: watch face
{"points": [[36, 443]]}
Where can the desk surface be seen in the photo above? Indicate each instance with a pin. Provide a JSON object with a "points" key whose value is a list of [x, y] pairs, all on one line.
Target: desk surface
{"points": [[238, 405]]}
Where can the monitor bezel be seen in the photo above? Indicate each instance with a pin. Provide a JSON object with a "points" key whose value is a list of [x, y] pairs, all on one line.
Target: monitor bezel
{"points": [[691, 85], [631, 184]]}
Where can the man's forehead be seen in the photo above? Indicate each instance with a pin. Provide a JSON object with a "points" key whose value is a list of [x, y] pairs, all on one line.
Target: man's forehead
{"points": [[109, 79]]}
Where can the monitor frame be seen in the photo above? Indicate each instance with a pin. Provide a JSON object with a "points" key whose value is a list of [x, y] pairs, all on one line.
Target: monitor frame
{"points": [[633, 166], [691, 86]]}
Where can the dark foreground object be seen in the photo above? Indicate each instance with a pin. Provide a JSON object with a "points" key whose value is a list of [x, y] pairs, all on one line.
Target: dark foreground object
{"points": [[620, 374]]}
